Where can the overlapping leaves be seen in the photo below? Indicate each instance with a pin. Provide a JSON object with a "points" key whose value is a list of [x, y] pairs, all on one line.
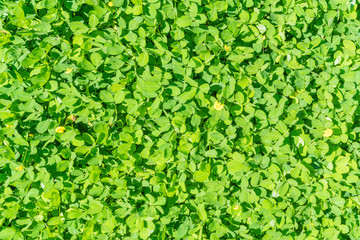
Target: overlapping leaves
{"points": [[110, 128]]}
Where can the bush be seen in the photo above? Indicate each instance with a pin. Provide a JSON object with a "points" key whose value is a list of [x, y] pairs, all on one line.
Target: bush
{"points": [[192, 119]]}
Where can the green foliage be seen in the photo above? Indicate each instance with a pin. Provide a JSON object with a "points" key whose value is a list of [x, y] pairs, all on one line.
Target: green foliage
{"points": [[192, 119]]}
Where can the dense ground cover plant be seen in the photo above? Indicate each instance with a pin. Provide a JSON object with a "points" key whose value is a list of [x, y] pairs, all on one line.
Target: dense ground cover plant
{"points": [[192, 119]]}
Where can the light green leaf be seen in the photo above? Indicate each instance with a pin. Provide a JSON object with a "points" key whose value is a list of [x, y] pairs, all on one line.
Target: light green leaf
{"points": [[143, 59], [7, 233], [106, 96], [201, 176], [78, 27], [184, 21]]}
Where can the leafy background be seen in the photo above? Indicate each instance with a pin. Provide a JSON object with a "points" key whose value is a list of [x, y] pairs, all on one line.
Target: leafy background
{"points": [[144, 154]]}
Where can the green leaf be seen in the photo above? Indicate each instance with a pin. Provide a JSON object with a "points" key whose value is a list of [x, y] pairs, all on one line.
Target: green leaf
{"points": [[184, 21], [73, 213], [119, 96], [95, 207], [342, 165], [201, 176], [349, 48], [135, 22], [53, 221], [202, 212], [93, 21], [183, 229], [186, 96], [96, 59], [7, 233], [106, 96], [211, 153], [236, 164], [220, 6], [43, 126], [260, 115], [148, 86], [82, 149], [78, 27], [143, 59]]}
